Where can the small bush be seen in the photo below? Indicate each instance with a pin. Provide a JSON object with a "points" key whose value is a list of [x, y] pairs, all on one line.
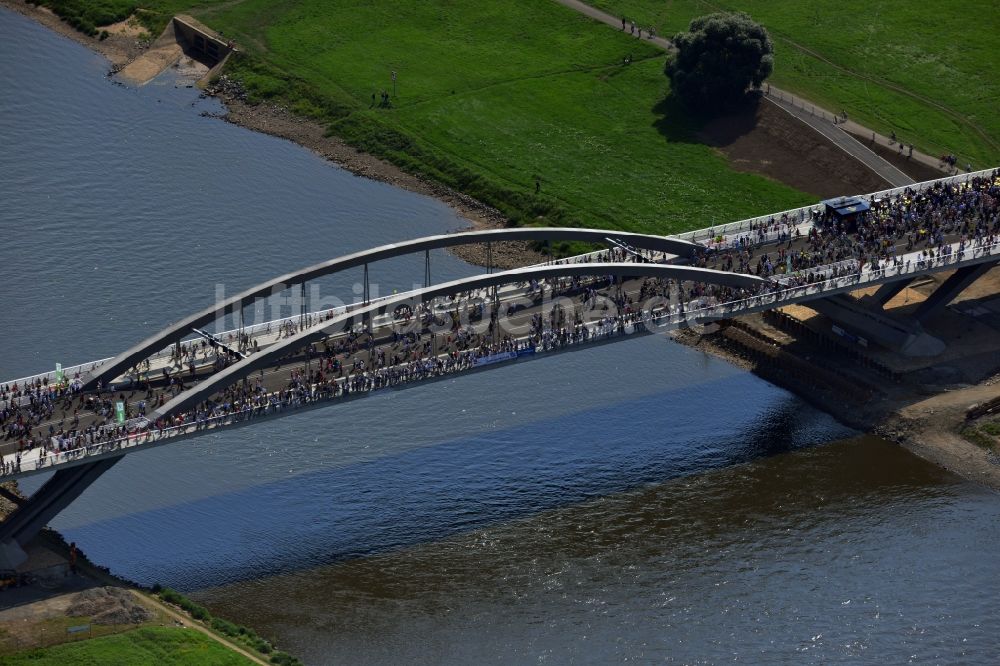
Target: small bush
{"points": [[197, 611], [284, 659], [171, 597], [993, 428], [225, 627], [260, 645], [977, 437]]}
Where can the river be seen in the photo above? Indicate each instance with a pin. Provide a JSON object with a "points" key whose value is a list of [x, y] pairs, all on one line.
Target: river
{"points": [[637, 501]]}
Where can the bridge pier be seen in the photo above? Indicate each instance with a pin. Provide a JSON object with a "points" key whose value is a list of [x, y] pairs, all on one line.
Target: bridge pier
{"points": [[34, 513], [950, 289], [900, 334], [888, 291]]}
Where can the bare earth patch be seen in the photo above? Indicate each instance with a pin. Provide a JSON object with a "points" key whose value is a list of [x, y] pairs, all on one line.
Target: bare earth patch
{"points": [[130, 27], [767, 140]]}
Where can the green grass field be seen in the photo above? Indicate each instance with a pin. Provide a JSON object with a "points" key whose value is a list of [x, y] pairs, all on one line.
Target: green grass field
{"points": [[927, 71], [150, 646], [491, 96]]}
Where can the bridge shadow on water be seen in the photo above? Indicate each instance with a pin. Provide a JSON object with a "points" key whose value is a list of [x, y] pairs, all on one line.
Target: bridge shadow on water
{"points": [[455, 486]]}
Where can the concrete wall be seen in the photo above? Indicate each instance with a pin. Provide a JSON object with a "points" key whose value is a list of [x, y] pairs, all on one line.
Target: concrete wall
{"points": [[199, 41]]}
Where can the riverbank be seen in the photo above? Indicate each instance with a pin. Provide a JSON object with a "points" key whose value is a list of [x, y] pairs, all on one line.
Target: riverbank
{"points": [[123, 46], [120, 47], [754, 143], [923, 405], [276, 120], [57, 615]]}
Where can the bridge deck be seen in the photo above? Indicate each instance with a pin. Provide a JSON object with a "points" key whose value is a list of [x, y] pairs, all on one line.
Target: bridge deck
{"points": [[791, 230], [670, 316]]}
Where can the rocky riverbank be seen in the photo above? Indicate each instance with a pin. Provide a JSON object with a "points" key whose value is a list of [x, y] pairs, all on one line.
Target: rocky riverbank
{"points": [[926, 419]]}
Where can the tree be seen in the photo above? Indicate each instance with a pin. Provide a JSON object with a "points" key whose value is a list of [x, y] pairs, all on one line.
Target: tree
{"points": [[719, 58]]}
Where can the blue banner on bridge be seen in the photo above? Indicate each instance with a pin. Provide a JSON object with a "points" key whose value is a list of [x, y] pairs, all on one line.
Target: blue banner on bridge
{"points": [[496, 358]]}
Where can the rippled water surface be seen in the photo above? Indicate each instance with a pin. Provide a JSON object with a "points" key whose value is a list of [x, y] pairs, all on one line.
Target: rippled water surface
{"points": [[637, 501]]}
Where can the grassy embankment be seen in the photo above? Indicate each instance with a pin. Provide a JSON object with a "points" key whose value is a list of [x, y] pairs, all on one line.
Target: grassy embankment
{"points": [[146, 643], [927, 71], [152, 646], [985, 434], [491, 96]]}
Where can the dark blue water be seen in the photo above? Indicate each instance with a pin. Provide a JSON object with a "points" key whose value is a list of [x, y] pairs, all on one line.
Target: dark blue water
{"points": [[638, 501]]}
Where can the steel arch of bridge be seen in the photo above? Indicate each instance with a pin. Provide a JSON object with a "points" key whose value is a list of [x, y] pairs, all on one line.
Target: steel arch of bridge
{"points": [[317, 333], [180, 329]]}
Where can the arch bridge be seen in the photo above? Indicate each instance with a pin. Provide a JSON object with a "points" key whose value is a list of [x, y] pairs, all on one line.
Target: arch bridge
{"points": [[75, 470]]}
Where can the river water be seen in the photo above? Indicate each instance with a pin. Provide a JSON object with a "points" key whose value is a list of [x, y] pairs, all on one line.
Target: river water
{"points": [[637, 501]]}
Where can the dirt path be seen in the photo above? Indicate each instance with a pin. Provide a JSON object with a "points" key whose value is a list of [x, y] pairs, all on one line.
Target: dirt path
{"points": [[103, 578], [187, 622]]}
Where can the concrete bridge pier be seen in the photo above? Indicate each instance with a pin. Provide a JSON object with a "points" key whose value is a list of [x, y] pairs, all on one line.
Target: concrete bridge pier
{"points": [[33, 514], [903, 335], [888, 291], [950, 289]]}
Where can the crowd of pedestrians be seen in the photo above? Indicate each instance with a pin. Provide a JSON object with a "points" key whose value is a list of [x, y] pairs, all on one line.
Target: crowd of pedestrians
{"points": [[929, 220], [363, 368]]}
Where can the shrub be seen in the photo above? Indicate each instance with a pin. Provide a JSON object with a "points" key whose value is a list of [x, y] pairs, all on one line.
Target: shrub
{"points": [[284, 659], [171, 597], [225, 627]]}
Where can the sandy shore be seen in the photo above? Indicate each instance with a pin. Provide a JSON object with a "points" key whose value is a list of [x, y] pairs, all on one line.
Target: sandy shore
{"points": [[120, 48]]}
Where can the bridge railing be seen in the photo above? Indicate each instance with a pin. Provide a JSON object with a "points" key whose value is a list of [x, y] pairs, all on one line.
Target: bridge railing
{"points": [[261, 329], [254, 330], [805, 213], [905, 265], [793, 217]]}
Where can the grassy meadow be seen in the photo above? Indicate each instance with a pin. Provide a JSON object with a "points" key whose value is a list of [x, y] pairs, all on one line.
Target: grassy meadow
{"points": [[924, 70], [493, 97], [150, 646], [490, 97]]}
